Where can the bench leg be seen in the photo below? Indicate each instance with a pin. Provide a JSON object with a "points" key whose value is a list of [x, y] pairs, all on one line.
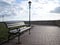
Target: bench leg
{"points": [[29, 32], [9, 37], [19, 37]]}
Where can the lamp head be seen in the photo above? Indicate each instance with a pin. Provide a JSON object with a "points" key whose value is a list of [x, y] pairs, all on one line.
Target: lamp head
{"points": [[29, 2]]}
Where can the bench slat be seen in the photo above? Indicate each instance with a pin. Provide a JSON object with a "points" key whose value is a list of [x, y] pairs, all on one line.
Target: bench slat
{"points": [[21, 30]]}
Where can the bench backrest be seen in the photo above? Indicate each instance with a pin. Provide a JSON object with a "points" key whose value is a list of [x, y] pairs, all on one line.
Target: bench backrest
{"points": [[16, 24], [3, 31]]}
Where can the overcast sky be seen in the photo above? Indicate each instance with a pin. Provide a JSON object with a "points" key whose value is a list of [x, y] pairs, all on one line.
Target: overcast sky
{"points": [[19, 10]]}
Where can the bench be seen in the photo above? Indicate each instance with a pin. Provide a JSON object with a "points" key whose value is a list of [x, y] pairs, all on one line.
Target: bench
{"points": [[15, 29], [20, 25]]}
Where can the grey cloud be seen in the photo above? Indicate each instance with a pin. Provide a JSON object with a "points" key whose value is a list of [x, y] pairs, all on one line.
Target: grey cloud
{"points": [[56, 10], [7, 15], [4, 4], [4, 15], [6, 10]]}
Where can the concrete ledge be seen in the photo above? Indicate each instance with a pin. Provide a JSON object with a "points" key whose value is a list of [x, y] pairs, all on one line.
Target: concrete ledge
{"points": [[58, 22]]}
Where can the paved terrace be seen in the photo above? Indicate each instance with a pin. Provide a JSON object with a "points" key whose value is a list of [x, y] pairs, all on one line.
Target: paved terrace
{"points": [[40, 35]]}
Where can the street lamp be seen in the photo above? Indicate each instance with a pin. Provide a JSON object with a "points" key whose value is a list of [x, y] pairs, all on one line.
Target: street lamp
{"points": [[29, 12]]}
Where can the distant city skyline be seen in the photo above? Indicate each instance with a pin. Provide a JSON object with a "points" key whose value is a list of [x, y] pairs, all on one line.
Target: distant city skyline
{"points": [[19, 10]]}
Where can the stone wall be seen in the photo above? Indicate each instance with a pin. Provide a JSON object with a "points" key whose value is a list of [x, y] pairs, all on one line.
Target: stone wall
{"points": [[58, 22], [54, 22]]}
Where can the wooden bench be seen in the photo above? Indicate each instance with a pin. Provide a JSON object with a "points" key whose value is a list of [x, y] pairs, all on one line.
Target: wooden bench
{"points": [[20, 25], [15, 29]]}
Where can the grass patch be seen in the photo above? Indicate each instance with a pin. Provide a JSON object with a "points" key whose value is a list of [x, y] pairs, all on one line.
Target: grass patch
{"points": [[3, 32]]}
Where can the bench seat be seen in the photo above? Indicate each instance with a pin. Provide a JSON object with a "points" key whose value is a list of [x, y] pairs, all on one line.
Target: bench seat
{"points": [[21, 30]]}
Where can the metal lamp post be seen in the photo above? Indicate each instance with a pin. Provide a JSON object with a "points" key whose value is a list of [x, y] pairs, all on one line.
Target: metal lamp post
{"points": [[29, 12]]}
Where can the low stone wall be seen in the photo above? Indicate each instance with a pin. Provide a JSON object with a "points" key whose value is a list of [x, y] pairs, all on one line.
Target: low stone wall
{"points": [[58, 22], [49, 22], [54, 22]]}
